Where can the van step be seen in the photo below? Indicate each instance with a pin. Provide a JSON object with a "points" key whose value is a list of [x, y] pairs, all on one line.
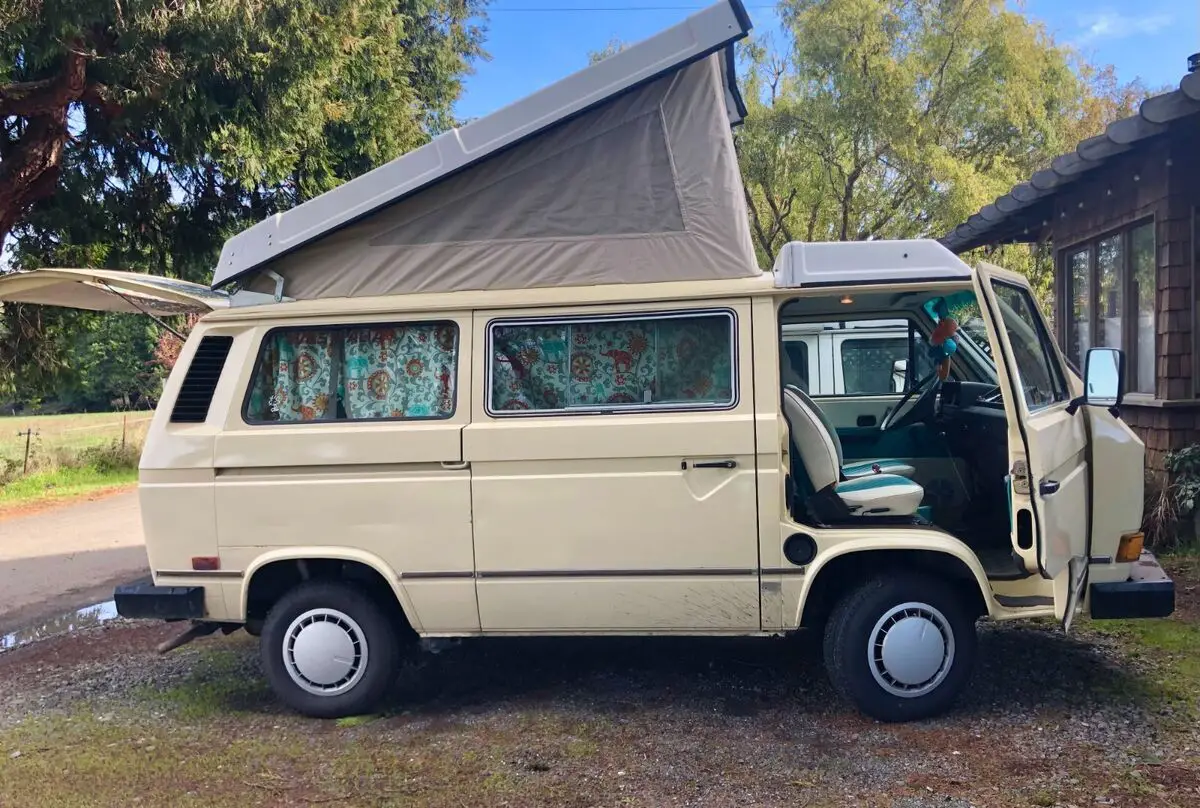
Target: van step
{"points": [[1001, 565]]}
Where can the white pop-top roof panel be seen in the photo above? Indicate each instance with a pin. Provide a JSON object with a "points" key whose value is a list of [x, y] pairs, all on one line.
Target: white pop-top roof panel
{"points": [[832, 263], [701, 34]]}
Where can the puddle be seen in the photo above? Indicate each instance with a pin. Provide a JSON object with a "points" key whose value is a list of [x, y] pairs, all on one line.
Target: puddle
{"points": [[86, 617]]}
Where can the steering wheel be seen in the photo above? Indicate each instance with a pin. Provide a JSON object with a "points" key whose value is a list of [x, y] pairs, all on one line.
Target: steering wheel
{"points": [[912, 404]]}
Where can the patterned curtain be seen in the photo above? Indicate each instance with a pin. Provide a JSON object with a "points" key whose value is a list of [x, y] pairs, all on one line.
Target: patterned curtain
{"points": [[620, 362], [390, 372], [296, 378], [400, 372]]}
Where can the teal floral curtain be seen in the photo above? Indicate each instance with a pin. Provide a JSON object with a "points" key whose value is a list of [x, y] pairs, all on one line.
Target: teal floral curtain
{"points": [[405, 371], [652, 361], [400, 372], [296, 378]]}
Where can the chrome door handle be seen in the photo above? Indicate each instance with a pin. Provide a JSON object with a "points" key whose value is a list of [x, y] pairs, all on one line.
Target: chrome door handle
{"points": [[450, 465], [1048, 487], [716, 464]]}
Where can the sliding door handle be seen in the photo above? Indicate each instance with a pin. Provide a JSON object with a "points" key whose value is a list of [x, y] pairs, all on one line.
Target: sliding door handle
{"points": [[449, 465], [1048, 487], [714, 464]]}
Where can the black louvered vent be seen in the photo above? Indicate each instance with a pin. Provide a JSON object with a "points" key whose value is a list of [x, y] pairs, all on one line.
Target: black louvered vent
{"points": [[196, 393]]}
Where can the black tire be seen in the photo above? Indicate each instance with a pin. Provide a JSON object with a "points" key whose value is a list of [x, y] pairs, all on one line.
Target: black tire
{"points": [[378, 633], [848, 635]]}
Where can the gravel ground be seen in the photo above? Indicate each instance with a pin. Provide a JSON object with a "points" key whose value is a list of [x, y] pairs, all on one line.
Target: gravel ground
{"points": [[1049, 720]]}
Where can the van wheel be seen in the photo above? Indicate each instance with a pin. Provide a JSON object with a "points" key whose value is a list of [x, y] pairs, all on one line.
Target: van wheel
{"points": [[329, 651], [901, 648]]}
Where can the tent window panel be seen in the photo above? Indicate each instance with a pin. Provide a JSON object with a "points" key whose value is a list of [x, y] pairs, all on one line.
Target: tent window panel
{"points": [[378, 372], [619, 182], [638, 363]]}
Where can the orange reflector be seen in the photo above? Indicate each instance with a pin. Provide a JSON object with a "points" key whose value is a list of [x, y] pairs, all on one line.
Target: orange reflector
{"points": [[1130, 548], [206, 563]]}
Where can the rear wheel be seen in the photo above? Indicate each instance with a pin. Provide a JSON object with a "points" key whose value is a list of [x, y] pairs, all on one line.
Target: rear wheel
{"points": [[329, 651], [901, 648]]}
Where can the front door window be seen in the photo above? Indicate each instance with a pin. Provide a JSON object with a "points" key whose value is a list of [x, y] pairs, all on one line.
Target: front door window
{"points": [[1038, 373]]}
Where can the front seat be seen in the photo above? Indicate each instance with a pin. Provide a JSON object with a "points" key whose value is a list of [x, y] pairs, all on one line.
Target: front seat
{"points": [[837, 498], [857, 468]]}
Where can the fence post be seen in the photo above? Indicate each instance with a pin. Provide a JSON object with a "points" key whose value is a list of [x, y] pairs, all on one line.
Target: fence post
{"points": [[28, 433], [124, 426]]}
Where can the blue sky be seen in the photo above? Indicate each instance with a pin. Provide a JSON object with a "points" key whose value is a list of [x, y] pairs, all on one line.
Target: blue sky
{"points": [[532, 43]]}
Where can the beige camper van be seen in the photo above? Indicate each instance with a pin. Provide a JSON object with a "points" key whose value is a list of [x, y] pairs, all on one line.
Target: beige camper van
{"points": [[529, 380]]}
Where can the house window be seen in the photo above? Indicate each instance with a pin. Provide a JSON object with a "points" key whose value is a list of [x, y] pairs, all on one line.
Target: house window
{"points": [[355, 373], [1109, 301], [613, 363]]}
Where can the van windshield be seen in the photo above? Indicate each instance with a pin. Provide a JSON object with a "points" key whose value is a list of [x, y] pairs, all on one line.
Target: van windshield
{"points": [[972, 333]]}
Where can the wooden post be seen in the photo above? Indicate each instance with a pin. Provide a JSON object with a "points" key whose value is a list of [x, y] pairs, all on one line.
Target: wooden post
{"points": [[28, 433], [124, 426]]}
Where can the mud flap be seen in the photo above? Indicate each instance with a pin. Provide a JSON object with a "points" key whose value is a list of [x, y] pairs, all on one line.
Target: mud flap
{"points": [[1077, 572]]}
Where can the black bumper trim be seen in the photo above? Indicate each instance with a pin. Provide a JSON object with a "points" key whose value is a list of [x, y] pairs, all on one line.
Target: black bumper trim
{"points": [[1147, 593], [146, 601]]}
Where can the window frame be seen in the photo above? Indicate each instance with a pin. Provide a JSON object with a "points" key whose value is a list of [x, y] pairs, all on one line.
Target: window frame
{"points": [[612, 409], [1129, 301], [1062, 391], [271, 332]]}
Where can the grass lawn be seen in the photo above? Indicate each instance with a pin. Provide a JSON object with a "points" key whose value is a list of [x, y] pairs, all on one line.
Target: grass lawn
{"points": [[69, 455], [62, 484]]}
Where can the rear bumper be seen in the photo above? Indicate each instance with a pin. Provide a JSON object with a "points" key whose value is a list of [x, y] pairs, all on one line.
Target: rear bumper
{"points": [[143, 600], [1148, 592]]}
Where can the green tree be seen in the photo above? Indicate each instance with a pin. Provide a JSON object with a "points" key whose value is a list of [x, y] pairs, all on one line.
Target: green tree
{"points": [[139, 134], [900, 118]]}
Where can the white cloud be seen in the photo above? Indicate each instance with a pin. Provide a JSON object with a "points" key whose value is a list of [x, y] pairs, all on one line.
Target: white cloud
{"points": [[1115, 25]]}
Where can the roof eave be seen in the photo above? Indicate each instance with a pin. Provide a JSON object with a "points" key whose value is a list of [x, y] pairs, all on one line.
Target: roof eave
{"points": [[1017, 215]]}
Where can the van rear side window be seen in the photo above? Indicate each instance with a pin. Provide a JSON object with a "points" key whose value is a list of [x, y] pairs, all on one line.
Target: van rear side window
{"points": [[667, 361], [355, 373]]}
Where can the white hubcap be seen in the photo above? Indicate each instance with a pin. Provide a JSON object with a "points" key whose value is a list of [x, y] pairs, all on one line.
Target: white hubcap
{"points": [[911, 650], [325, 652]]}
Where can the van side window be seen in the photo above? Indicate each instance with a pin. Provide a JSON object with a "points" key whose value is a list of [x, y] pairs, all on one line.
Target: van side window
{"points": [[661, 361], [355, 373], [868, 364]]}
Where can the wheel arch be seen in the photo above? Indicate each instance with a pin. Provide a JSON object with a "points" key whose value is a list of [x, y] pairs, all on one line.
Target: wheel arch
{"points": [[837, 569], [290, 558]]}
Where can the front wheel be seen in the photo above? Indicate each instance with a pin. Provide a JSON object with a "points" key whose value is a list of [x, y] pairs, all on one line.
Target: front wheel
{"points": [[901, 648], [328, 650]]}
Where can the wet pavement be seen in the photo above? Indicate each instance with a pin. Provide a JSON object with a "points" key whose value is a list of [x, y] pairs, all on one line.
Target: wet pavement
{"points": [[74, 620]]}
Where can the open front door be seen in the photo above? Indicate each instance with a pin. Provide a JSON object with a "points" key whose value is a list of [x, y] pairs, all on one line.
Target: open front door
{"points": [[110, 290], [1048, 446]]}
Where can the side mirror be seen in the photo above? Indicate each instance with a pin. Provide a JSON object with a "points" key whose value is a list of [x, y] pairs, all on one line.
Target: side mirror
{"points": [[899, 375], [1103, 380]]}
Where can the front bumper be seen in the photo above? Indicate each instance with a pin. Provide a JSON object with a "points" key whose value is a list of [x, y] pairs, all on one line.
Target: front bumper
{"points": [[143, 600], [1148, 592]]}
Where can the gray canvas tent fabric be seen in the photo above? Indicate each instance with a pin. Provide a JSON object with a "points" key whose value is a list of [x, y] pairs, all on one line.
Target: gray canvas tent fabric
{"points": [[644, 187]]}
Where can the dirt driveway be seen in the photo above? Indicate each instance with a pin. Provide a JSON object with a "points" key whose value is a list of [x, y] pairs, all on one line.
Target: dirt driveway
{"points": [[67, 556], [1106, 717]]}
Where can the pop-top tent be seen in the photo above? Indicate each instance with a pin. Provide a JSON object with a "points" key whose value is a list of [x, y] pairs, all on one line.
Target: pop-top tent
{"points": [[622, 172]]}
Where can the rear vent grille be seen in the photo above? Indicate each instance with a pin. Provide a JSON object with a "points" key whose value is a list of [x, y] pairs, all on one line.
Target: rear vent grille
{"points": [[196, 392]]}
